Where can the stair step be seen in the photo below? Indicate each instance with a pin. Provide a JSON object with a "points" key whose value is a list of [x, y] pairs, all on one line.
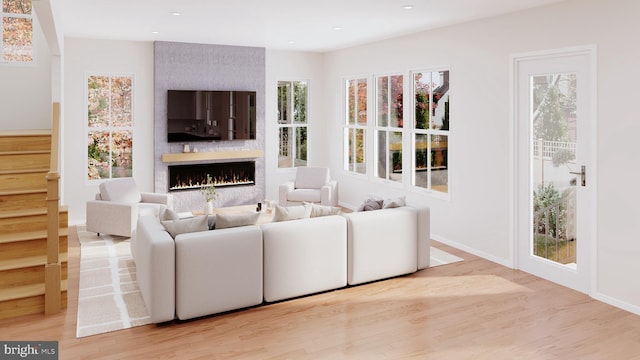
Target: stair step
{"points": [[20, 221], [29, 180], [26, 262], [25, 140], [28, 160], [31, 199], [26, 291], [30, 235]]}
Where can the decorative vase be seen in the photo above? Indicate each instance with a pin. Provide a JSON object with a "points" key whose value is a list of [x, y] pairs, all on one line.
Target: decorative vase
{"points": [[209, 208]]}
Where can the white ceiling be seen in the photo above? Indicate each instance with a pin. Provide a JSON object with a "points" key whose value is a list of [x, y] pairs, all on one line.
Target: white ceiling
{"points": [[300, 25]]}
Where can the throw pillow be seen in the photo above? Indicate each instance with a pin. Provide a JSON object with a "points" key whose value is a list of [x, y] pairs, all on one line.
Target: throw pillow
{"points": [[188, 225], [323, 210], [370, 205], [286, 213], [224, 221], [168, 214], [394, 202]]}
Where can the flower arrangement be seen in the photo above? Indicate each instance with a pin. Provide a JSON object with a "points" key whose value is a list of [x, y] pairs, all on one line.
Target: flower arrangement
{"points": [[208, 190]]}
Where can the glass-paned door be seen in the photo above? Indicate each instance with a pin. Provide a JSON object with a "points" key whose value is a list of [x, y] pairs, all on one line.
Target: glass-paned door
{"points": [[554, 122]]}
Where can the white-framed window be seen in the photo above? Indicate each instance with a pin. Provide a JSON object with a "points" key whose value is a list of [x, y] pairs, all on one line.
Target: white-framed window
{"points": [[109, 126], [430, 161], [16, 22], [293, 101], [356, 123], [389, 127]]}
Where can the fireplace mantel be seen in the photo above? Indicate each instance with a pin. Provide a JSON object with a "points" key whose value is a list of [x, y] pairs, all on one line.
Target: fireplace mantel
{"points": [[211, 155]]}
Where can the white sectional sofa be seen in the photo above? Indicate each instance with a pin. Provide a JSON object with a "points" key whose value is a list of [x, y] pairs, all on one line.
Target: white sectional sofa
{"points": [[209, 272]]}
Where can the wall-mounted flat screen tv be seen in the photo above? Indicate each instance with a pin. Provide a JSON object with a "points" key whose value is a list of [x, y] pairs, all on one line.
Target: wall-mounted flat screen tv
{"points": [[196, 115]]}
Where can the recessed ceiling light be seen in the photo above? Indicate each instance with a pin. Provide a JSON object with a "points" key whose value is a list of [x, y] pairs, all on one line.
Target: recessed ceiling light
{"points": [[336, 28], [155, 32], [175, 13], [408, 7], [291, 42]]}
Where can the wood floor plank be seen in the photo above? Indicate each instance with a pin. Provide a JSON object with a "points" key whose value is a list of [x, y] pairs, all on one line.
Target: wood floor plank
{"points": [[474, 309]]}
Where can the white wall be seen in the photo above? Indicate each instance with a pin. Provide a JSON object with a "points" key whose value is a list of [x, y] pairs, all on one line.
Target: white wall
{"points": [[82, 57], [290, 66], [477, 216], [25, 90]]}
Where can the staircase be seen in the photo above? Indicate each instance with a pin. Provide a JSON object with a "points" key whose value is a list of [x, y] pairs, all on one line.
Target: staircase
{"points": [[29, 259]]}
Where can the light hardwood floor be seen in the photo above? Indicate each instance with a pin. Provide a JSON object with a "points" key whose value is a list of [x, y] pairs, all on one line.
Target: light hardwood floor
{"points": [[475, 309]]}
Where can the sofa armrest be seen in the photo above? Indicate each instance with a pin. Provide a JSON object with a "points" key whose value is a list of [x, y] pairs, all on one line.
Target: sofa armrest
{"points": [[283, 192], [158, 198], [155, 268], [111, 217], [329, 193], [381, 244], [424, 236]]}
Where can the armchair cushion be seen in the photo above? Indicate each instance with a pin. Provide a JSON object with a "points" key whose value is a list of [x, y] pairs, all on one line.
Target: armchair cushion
{"points": [[311, 177], [120, 190]]}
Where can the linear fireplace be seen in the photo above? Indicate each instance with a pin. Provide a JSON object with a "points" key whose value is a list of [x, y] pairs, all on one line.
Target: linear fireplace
{"points": [[188, 177]]}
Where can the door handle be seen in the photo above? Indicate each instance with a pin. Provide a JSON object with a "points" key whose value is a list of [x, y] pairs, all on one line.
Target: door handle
{"points": [[582, 173]]}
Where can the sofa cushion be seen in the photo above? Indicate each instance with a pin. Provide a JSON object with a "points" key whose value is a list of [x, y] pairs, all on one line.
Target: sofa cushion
{"points": [[286, 213], [311, 177], [224, 221], [301, 195], [323, 210], [120, 190], [188, 225]]}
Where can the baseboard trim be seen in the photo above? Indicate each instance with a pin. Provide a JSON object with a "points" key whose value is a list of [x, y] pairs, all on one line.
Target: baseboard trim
{"points": [[504, 262]]}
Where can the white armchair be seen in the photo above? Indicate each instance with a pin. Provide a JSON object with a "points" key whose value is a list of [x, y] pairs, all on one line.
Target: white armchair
{"points": [[312, 184], [117, 206]]}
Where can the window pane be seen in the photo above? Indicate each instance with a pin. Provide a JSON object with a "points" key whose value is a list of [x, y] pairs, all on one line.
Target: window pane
{"points": [[362, 102], [356, 151], [98, 99], [381, 166], [284, 102], [422, 90], [351, 102], [17, 40], [22, 7], [300, 102], [121, 93], [301, 146], [439, 163], [383, 101], [98, 155], [396, 118], [421, 161], [395, 154], [285, 149], [121, 154], [440, 101]]}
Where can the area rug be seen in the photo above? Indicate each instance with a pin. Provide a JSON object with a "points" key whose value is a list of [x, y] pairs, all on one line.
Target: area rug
{"points": [[440, 257], [109, 298]]}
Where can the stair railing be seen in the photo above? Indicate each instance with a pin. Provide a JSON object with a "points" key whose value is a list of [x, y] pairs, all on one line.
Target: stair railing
{"points": [[53, 267]]}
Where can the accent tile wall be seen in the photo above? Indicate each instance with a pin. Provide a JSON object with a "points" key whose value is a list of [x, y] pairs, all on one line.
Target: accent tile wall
{"points": [[184, 66]]}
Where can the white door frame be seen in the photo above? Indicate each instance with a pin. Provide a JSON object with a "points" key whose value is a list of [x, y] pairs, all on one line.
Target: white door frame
{"points": [[515, 59]]}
